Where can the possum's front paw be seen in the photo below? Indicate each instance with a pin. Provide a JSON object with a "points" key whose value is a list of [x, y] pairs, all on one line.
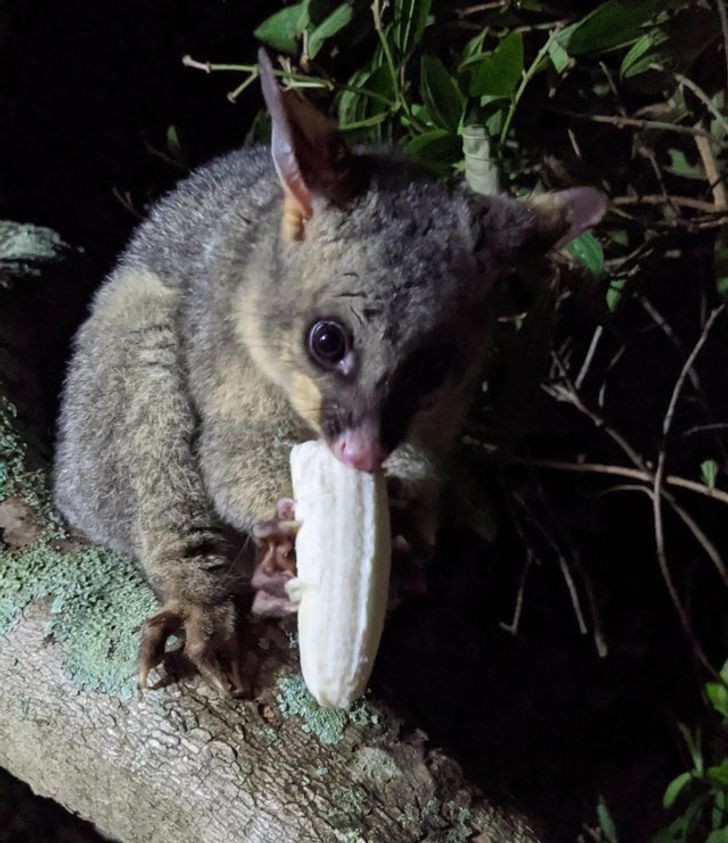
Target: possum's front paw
{"points": [[210, 643], [276, 563], [413, 547]]}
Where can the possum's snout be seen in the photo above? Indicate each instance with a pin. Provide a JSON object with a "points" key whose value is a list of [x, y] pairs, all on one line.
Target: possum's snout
{"points": [[360, 447]]}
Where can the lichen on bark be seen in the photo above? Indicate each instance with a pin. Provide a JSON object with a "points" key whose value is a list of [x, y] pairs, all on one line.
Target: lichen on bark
{"points": [[98, 600]]}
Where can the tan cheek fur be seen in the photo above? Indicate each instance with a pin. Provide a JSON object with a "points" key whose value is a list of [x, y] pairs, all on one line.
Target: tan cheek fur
{"points": [[306, 399], [300, 390]]}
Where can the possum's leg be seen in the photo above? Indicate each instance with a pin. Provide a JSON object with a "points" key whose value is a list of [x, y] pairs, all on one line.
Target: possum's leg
{"points": [[245, 444], [127, 476]]}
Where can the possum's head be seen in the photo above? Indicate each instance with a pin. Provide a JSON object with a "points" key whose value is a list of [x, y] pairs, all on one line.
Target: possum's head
{"points": [[385, 274]]}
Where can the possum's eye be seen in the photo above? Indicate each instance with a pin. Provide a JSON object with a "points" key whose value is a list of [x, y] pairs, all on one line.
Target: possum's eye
{"points": [[328, 343]]}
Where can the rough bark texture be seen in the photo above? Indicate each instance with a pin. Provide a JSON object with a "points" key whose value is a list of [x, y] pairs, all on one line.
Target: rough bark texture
{"points": [[182, 765]]}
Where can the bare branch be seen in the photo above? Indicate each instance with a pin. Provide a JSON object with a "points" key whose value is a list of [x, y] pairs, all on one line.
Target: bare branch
{"points": [[704, 98], [627, 122], [659, 199]]}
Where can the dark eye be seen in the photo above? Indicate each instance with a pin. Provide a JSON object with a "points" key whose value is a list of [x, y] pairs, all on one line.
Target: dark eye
{"points": [[328, 342]]}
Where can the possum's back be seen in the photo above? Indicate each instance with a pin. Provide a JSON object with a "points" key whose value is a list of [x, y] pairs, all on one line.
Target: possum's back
{"points": [[125, 406], [183, 231]]}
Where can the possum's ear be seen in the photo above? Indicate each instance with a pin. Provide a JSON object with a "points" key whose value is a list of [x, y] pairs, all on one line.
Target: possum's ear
{"points": [[562, 216], [308, 151], [509, 230]]}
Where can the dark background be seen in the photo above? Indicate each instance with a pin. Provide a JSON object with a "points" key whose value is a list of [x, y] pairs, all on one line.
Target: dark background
{"points": [[86, 88]]}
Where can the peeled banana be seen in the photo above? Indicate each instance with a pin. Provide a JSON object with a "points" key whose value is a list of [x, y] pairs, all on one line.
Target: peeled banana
{"points": [[343, 553]]}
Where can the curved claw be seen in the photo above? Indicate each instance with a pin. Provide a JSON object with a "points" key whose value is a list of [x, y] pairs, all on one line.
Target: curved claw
{"points": [[155, 633], [211, 644]]}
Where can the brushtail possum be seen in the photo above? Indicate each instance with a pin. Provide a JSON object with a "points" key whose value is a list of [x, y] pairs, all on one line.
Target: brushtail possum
{"points": [[277, 296]]}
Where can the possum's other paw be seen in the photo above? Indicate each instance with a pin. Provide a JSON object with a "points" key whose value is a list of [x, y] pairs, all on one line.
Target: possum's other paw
{"points": [[210, 644], [412, 549], [276, 563]]}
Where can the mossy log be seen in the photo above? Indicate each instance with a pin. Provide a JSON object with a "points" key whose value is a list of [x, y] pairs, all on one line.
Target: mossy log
{"points": [[179, 763]]}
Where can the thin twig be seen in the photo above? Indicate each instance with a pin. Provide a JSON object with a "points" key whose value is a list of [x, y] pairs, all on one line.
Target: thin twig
{"points": [[571, 395], [599, 641], [666, 328], [712, 173], [482, 7], [624, 471], [657, 490], [512, 627], [602, 396], [626, 122], [659, 199], [693, 224], [667, 422], [573, 594], [659, 320], [687, 519], [704, 98], [563, 564], [701, 428], [599, 330]]}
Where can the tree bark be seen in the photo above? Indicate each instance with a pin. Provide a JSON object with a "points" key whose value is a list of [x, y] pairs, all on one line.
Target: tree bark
{"points": [[179, 764]]}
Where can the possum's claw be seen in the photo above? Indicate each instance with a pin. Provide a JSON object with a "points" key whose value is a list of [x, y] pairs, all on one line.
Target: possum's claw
{"points": [[276, 563], [211, 644]]}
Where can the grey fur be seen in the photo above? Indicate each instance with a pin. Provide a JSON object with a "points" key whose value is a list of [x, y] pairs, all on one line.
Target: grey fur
{"points": [[178, 410]]}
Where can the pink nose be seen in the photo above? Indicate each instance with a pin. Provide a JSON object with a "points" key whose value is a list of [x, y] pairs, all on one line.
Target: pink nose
{"points": [[360, 448]]}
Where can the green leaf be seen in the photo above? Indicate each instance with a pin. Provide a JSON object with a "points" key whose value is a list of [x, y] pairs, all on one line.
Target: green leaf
{"points": [[614, 292], [718, 774], [709, 471], [720, 835], [259, 131], [410, 20], [558, 55], [606, 823], [693, 744], [587, 249], [721, 262], [675, 788], [355, 105], [174, 147], [436, 149], [642, 54], [611, 24], [717, 694], [473, 50], [618, 236], [440, 94], [282, 29], [679, 166], [336, 21], [499, 73]]}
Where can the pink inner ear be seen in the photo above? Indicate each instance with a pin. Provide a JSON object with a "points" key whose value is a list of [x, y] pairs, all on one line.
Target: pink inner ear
{"points": [[289, 173], [283, 148], [585, 207]]}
